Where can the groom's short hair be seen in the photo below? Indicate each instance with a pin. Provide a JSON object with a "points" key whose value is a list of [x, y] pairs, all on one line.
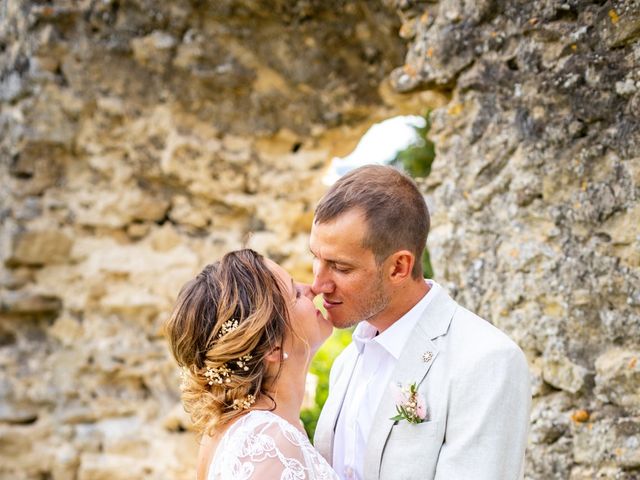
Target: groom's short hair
{"points": [[394, 209]]}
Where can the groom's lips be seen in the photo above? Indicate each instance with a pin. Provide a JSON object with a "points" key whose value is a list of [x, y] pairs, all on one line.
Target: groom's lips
{"points": [[328, 304]]}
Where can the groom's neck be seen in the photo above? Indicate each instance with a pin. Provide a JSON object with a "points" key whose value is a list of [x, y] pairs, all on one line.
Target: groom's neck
{"points": [[401, 301]]}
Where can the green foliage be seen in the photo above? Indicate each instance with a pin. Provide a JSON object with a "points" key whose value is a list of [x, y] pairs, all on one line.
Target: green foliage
{"points": [[417, 158], [427, 269], [320, 366]]}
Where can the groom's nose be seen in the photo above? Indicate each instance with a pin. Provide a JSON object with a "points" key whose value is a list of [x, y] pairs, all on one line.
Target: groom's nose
{"points": [[322, 282]]}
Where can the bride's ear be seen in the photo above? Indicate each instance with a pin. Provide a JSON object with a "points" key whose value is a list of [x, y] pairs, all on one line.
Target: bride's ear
{"points": [[276, 355]]}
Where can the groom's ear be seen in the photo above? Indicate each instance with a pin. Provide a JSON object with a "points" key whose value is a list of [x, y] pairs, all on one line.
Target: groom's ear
{"points": [[400, 266]]}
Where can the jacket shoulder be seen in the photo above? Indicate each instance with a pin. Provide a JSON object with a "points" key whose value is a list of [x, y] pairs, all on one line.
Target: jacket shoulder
{"points": [[478, 335]]}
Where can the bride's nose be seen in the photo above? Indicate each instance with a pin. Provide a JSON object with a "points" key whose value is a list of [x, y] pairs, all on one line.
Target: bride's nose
{"points": [[306, 291]]}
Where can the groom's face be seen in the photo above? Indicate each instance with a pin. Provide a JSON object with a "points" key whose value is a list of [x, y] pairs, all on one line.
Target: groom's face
{"points": [[346, 274]]}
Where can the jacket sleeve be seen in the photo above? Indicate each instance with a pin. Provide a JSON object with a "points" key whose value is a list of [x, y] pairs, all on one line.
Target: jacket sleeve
{"points": [[488, 417]]}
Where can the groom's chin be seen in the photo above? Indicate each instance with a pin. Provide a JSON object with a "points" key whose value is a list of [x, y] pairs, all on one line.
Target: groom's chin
{"points": [[339, 321]]}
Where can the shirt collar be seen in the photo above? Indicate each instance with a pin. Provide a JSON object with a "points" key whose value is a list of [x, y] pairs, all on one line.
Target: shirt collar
{"points": [[394, 338], [364, 333]]}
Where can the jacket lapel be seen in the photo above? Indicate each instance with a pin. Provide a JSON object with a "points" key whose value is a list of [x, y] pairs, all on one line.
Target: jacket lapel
{"points": [[413, 365], [325, 429]]}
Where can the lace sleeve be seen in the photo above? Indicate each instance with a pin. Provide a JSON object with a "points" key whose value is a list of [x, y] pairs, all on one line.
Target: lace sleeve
{"points": [[272, 450]]}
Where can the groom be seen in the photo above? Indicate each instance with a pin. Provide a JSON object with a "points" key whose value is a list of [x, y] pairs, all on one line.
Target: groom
{"points": [[472, 381]]}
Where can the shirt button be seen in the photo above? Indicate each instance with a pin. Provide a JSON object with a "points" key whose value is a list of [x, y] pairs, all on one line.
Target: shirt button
{"points": [[349, 472]]}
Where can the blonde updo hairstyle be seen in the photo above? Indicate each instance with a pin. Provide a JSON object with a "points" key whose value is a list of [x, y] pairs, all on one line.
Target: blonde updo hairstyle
{"points": [[241, 288]]}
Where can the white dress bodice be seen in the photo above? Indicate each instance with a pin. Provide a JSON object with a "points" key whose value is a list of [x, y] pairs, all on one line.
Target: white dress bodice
{"points": [[261, 445]]}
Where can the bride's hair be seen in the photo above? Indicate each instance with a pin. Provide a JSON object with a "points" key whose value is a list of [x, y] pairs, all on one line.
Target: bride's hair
{"points": [[224, 323]]}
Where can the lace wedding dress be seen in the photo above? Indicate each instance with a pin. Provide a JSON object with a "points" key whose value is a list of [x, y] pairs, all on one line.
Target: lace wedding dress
{"points": [[264, 446]]}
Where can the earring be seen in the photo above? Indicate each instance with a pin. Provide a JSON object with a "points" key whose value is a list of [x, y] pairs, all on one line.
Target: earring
{"points": [[285, 355]]}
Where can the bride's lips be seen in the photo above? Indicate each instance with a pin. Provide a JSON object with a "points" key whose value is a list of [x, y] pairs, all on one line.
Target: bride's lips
{"points": [[328, 305]]}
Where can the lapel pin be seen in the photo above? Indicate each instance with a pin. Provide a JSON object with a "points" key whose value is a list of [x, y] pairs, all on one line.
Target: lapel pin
{"points": [[427, 356]]}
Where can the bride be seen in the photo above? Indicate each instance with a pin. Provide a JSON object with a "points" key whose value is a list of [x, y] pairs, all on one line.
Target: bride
{"points": [[244, 333]]}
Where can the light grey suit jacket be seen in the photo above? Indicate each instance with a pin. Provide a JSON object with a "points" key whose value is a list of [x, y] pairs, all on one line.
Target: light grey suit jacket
{"points": [[475, 381]]}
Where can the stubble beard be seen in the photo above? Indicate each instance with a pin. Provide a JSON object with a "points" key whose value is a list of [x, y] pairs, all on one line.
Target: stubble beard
{"points": [[368, 308]]}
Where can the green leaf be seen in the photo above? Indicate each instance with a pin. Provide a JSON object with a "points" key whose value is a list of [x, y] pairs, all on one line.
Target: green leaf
{"points": [[427, 268], [417, 158]]}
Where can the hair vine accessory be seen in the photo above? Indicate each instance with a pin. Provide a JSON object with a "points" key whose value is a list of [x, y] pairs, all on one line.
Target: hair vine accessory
{"points": [[245, 403], [218, 375], [242, 362], [227, 327], [222, 375]]}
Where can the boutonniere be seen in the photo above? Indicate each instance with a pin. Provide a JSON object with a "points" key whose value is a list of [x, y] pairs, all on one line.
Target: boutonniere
{"points": [[410, 404]]}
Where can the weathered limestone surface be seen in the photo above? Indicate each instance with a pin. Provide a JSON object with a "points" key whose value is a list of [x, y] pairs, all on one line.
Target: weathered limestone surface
{"points": [[140, 140], [535, 195]]}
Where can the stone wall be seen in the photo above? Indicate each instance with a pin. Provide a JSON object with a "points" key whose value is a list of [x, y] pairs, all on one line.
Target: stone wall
{"points": [[140, 140], [535, 194]]}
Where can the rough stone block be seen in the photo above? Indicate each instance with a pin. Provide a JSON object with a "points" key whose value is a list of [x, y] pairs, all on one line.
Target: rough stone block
{"points": [[177, 420], [154, 50], [590, 473], [627, 451], [593, 442], [608, 438], [112, 467], [15, 278], [621, 24], [562, 373], [164, 238], [11, 87], [550, 418], [23, 302], [39, 247], [618, 378], [17, 414], [117, 209], [67, 460]]}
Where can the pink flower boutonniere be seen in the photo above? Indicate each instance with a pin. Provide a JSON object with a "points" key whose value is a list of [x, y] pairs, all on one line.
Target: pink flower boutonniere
{"points": [[410, 404]]}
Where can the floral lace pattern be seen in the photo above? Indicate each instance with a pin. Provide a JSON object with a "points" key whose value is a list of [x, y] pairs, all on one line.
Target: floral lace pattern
{"points": [[262, 445]]}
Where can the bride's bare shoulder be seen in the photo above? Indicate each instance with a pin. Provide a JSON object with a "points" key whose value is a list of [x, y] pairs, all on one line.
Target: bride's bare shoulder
{"points": [[208, 446]]}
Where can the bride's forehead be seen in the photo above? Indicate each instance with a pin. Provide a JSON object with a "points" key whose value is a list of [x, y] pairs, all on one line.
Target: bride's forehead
{"points": [[278, 271]]}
